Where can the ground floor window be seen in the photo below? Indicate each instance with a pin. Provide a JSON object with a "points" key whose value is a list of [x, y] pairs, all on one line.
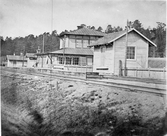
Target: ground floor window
{"points": [[60, 60], [76, 61], [89, 61], [82, 61], [68, 60], [130, 53]]}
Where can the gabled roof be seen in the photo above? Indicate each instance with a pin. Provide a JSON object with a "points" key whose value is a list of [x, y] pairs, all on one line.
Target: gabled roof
{"points": [[14, 57], [115, 36], [72, 51], [32, 55], [84, 31]]}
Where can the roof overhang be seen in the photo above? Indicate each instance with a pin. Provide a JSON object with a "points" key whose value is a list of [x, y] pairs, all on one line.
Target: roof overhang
{"points": [[125, 34]]}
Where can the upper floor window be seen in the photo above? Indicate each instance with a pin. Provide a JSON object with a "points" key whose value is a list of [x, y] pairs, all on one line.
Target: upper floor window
{"points": [[85, 43], [78, 43], [130, 53], [81, 41]]}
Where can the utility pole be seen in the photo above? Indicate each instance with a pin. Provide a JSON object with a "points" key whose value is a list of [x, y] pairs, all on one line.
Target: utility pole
{"points": [[126, 45], [64, 42], [43, 50]]}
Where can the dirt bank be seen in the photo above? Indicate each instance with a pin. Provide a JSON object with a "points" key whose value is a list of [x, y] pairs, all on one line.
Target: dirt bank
{"points": [[76, 106]]}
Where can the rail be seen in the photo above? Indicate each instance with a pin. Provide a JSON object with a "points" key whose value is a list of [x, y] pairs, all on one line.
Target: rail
{"points": [[153, 88]]}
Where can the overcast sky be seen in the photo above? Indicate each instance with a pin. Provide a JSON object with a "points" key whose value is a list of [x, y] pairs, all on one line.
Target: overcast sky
{"points": [[24, 17]]}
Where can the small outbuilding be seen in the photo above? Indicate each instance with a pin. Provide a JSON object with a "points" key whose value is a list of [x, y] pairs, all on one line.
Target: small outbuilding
{"points": [[16, 61], [110, 50]]}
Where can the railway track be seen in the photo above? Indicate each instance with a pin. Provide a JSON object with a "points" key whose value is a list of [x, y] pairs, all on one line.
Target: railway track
{"points": [[134, 86]]}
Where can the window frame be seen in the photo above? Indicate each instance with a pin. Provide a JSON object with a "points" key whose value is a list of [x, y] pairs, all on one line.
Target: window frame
{"points": [[79, 44], [68, 60], [132, 46], [74, 62], [60, 60]]}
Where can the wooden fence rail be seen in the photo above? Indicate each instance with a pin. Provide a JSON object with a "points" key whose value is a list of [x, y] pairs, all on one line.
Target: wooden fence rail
{"points": [[146, 73]]}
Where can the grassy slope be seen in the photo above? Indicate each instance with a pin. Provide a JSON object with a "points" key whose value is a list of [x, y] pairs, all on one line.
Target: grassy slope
{"points": [[76, 106]]}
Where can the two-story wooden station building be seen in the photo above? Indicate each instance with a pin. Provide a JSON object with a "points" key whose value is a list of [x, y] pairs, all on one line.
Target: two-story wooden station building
{"points": [[74, 53]]}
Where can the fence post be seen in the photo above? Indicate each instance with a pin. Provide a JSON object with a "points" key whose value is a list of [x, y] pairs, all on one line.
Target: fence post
{"points": [[120, 68]]}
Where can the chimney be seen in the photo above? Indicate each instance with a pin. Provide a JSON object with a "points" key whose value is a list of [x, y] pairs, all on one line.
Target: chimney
{"points": [[81, 26]]}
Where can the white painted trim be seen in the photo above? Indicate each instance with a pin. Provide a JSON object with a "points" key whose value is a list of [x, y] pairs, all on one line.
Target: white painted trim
{"points": [[137, 33], [144, 37], [135, 53], [147, 55], [114, 56]]}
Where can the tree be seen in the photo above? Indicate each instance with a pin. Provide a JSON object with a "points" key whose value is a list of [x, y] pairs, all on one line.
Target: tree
{"points": [[137, 25], [161, 38], [83, 25], [54, 32], [109, 29], [93, 28], [29, 44], [100, 29]]}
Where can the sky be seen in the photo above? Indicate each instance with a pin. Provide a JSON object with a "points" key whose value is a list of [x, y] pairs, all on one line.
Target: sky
{"points": [[25, 17]]}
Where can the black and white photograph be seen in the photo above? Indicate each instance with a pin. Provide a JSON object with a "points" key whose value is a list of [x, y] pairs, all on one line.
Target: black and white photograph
{"points": [[83, 68]]}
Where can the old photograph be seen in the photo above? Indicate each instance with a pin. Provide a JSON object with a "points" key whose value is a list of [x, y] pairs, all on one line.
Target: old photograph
{"points": [[83, 67]]}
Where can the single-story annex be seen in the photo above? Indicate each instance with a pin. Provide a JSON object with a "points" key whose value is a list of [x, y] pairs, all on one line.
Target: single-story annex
{"points": [[16, 61], [110, 49]]}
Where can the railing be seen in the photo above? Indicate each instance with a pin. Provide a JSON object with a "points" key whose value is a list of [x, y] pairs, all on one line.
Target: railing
{"points": [[73, 68], [147, 73]]}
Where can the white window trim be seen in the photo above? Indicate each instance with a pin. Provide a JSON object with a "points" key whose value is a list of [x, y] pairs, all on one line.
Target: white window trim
{"points": [[135, 53]]}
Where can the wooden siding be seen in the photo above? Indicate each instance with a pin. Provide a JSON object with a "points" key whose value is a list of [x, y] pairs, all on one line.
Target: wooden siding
{"points": [[96, 58], [71, 43], [66, 43], [31, 63], [16, 64], [46, 61], [156, 62], [141, 52], [106, 57]]}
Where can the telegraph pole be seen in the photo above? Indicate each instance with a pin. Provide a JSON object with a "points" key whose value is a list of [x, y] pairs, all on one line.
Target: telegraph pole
{"points": [[42, 50], [64, 42], [126, 45]]}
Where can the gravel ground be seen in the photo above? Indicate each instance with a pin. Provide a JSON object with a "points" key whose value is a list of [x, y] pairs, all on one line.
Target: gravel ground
{"points": [[63, 103]]}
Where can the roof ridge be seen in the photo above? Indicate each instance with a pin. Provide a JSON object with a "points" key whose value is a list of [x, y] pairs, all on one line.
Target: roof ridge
{"points": [[116, 35]]}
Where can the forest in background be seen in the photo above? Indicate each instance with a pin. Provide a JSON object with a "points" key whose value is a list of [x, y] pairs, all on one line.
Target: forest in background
{"points": [[30, 43]]}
